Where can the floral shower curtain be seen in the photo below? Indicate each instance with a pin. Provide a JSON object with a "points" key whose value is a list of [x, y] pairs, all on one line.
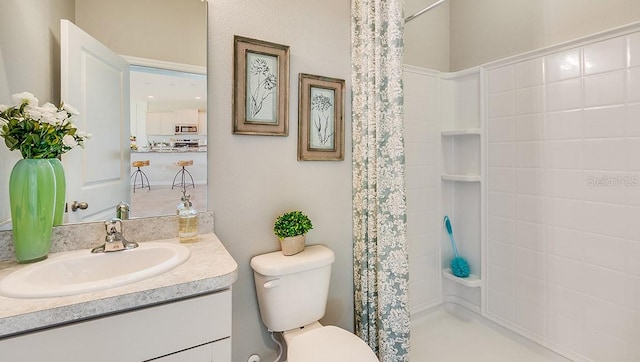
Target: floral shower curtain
{"points": [[381, 267]]}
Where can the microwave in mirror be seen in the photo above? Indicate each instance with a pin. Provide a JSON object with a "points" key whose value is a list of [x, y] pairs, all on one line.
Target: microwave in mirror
{"points": [[186, 129]]}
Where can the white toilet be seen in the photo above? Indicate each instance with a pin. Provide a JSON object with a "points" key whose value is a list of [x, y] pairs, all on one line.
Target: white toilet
{"points": [[292, 295]]}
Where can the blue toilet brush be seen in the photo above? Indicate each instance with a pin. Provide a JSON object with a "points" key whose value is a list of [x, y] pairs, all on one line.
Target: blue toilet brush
{"points": [[459, 266]]}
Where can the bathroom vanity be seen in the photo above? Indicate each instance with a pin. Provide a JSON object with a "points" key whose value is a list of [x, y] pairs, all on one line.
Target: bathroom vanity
{"points": [[181, 315]]}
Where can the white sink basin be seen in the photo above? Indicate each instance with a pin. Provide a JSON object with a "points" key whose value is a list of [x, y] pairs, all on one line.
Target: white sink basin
{"points": [[81, 271]]}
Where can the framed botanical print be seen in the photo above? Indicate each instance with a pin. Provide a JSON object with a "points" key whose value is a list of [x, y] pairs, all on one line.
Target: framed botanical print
{"points": [[320, 118], [260, 87]]}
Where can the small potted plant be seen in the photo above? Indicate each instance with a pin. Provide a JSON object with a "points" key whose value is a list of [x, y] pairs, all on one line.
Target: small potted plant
{"points": [[291, 228]]}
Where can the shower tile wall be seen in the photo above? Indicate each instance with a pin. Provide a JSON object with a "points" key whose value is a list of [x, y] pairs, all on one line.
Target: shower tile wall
{"points": [[422, 142], [563, 199]]}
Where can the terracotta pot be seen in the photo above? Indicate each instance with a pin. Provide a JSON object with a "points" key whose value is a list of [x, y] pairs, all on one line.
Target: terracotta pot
{"points": [[292, 245]]}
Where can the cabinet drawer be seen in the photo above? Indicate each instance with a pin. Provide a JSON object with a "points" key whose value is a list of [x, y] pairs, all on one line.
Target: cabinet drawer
{"points": [[219, 351], [133, 336]]}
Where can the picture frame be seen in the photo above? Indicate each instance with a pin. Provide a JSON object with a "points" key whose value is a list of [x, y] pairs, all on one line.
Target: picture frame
{"points": [[260, 87], [320, 118]]}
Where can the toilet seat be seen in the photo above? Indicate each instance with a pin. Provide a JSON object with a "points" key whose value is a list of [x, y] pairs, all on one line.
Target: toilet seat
{"points": [[329, 343]]}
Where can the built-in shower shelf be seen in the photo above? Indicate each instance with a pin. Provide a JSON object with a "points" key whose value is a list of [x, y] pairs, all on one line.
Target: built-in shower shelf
{"points": [[472, 281], [461, 178], [460, 132]]}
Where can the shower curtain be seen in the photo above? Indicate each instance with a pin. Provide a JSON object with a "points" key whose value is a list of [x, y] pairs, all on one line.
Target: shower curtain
{"points": [[381, 267]]}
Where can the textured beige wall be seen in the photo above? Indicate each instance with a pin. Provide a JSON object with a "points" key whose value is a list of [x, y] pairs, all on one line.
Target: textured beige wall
{"points": [[169, 30], [487, 30], [253, 179], [426, 38]]}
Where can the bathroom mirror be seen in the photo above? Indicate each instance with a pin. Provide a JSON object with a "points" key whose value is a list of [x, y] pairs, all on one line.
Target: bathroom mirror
{"points": [[173, 33]]}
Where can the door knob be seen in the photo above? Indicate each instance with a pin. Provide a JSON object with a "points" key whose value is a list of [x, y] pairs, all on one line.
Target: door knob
{"points": [[79, 205]]}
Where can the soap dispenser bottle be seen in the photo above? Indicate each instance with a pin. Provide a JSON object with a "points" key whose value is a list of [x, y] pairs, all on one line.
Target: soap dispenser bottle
{"points": [[187, 220]]}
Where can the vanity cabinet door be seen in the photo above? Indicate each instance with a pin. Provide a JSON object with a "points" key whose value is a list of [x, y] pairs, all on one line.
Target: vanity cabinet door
{"points": [[146, 334], [219, 351]]}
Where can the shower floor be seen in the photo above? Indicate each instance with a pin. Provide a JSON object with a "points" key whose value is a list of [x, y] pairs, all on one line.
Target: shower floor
{"points": [[451, 334]]}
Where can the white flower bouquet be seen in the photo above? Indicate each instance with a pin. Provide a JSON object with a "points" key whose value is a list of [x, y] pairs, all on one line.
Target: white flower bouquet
{"points": [[39, 131]]}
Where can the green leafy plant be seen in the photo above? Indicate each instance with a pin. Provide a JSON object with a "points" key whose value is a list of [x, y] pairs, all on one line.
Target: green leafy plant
{"points": [[292, 223], [39, 132]]}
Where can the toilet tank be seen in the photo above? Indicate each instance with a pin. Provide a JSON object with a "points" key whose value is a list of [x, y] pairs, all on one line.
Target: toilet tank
{"points": [[292, 290]]}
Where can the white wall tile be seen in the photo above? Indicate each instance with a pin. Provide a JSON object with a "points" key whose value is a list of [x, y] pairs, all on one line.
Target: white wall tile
{"points": [[568, 184], [502, 179], [563, 154], [503, 204], [530, 181], [633, 255], [607, 317], [566, 272], [530, 100], [501, 306], [501, 155], [531, 208], [633, 151], [632, 296], [416, 130], [631, 228], [531, 317], [566, 302], [501, 104], [605, 56], [605, 219], [504, 129], [604, 154], [564, 242], [502, 255], [531, 235], [529, 73], [604, 89], [565, 125], [568, 333], [529, 154], [565, 95], [419, 85], [563, 65], [634, 49], [502, 229], [633, 120], [609, 187], [415, 108], [605, 122], [533, 264], [571, 216], [605, 251], [501, 79], [530, 127], [604, 284], [633, 85]]}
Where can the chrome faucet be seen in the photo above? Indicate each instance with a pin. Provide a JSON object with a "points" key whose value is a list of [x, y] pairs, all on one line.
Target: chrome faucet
{"points": [[114, 241]]}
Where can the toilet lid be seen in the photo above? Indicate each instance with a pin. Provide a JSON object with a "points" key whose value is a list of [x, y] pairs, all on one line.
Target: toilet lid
{"points": [[329, 344]]}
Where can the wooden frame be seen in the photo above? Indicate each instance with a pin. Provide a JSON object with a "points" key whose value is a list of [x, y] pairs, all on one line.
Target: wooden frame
{"points": [[320, 118], [260, 87]]}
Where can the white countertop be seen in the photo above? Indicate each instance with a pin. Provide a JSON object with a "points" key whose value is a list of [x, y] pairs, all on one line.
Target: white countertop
{"points": [[209, 268]]}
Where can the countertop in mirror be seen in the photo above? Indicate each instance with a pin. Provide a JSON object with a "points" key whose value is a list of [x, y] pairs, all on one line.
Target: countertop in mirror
{"points": [[209, 268]]}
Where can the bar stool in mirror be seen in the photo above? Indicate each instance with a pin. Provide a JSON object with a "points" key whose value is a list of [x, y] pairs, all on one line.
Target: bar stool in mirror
{"points": [[180, 179], [139, 174]]}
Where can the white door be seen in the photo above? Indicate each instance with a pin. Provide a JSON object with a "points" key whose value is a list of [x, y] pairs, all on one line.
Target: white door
{"points": [[95, 80]]}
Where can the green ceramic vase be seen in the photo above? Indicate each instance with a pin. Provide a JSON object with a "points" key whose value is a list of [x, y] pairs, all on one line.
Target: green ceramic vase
{"points": [[61, 189], [32, 196]]}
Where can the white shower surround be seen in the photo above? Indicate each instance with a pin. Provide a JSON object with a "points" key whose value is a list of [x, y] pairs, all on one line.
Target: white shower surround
{"points": [[558, 255]]}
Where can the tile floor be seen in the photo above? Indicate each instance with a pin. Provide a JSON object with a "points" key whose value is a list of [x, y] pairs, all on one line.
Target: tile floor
{"points": [[452, 335], [162, 200]]}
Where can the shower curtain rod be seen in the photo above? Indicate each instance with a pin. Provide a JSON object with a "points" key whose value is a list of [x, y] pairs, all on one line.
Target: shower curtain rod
{"points": [[411, 17]]}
